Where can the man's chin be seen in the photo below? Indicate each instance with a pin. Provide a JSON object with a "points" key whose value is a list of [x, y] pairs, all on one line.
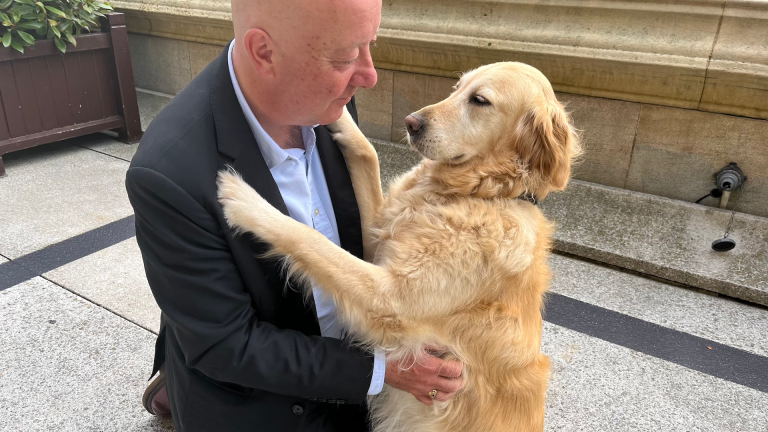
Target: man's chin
{"points": [[333, 113]]}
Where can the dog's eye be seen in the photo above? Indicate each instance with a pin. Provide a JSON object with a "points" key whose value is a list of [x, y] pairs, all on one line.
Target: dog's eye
{"points": [[479, 100]]}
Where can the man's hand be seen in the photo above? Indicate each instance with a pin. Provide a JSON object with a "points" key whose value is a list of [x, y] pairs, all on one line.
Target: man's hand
{"points": [[427, 374]]}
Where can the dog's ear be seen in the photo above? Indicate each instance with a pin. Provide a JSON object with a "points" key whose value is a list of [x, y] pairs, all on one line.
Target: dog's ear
{"points": [[548, 143]]}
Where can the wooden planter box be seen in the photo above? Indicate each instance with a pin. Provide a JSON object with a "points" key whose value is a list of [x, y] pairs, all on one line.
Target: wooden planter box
{"points": [[46, 96]]}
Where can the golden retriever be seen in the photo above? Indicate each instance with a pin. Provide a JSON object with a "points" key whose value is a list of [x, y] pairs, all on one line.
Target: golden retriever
{"points": [[453, 258]]}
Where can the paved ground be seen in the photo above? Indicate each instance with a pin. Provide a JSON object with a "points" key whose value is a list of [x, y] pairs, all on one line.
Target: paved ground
{"points": [[78, 321]]}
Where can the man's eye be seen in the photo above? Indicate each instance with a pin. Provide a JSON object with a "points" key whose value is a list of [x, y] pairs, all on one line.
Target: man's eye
{"points": [[480, 100]]}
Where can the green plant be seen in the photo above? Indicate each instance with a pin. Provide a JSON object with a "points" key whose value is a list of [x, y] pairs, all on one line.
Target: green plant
{"points": [[24, 21]]}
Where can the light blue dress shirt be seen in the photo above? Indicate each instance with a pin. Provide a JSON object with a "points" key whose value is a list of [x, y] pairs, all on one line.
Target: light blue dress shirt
{"points": [[301, 181]]}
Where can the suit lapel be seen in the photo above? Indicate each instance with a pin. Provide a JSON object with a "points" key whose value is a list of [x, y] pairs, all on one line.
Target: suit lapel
{"points": [[235, 140], [342, 193]]}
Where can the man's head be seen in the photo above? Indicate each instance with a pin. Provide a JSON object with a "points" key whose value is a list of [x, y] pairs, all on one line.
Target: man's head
{"points": [[301, 61]]}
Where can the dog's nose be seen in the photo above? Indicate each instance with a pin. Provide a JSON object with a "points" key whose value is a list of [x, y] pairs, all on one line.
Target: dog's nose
{"points": [[414, 124]]}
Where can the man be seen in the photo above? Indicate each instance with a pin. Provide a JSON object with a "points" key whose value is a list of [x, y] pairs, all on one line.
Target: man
{"points": [[238, 350]]}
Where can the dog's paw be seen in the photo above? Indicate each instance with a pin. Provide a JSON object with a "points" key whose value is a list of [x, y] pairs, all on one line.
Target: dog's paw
{"points": [[244, 209], [346, 133]]}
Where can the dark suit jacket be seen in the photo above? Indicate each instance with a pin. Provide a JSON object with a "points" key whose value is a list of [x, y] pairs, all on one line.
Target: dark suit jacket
{"points": [[241, 351]]}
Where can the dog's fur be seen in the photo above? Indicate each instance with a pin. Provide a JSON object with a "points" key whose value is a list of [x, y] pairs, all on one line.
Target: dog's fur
{"points": [[454, 258]]}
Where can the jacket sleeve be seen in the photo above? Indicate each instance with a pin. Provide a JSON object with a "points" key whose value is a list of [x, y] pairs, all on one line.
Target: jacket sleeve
{"points": [[196, 283]]}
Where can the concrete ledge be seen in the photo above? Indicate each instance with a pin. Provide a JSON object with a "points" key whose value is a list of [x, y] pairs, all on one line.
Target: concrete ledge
{"points": [[662, 237]]}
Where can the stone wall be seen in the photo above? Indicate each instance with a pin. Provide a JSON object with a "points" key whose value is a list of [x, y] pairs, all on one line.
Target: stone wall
{"points": [[665, 92]]}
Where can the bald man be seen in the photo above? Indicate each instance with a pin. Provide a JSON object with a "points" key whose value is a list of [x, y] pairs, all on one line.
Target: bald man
{"points": [[239, 348]]}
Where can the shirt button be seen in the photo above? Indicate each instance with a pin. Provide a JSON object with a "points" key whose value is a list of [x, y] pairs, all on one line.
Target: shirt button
{"points": [[317, 212], [298, 410]]}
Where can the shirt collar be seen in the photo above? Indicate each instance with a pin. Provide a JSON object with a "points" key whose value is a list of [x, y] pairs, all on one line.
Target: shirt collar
{"points": [[272, 153]]}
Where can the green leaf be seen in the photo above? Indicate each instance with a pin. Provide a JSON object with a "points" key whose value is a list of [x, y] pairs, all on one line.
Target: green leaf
{"points": [[32, 25], [52, 23], [7, 39], [56, 11], [65, 25], [28, 38], [60, 45], [5, 3], [4, 17], [71, 38], [17, 46], [26, 10], [56, 31], [16, 16]]}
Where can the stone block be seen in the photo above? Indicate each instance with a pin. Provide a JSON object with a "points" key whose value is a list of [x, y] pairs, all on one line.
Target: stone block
{"points": [[200, 55], [374, 107], [607, 133], [677, 152], [413, 92], [737, 77], [160, 64]]}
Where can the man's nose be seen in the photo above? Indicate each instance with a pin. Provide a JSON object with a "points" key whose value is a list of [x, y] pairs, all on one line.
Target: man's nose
{"points": [[366, 75]]}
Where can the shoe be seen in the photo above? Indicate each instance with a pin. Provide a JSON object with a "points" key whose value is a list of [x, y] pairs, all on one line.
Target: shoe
{"points": [[155, 399]]}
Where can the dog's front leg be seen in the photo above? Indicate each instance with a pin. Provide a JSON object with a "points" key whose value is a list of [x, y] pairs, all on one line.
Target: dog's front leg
{"points": [[363, 164], [358, 287]]}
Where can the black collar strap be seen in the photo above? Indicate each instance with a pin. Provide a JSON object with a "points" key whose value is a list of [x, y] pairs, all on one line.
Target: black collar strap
{"points": [[530, 198]]}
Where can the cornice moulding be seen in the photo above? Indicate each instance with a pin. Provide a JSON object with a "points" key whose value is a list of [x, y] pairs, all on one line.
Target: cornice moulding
{"points": [[702, 54]]}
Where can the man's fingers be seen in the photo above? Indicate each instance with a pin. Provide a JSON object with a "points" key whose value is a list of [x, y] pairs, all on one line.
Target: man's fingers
{"points": [[449, 385], [450, 369]]}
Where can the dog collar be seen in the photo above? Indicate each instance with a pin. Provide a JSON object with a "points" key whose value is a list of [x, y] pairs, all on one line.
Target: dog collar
{"points": [[530, 198]]}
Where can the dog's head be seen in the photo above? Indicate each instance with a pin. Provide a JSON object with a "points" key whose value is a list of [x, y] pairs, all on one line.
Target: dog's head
{"points": [[502, 120]]}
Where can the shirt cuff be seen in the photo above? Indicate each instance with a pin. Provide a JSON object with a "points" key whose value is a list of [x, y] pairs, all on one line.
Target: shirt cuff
{"points": [[379, 369]]}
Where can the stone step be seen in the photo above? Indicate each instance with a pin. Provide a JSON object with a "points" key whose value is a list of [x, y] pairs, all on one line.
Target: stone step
{"points": [[648, 234]]}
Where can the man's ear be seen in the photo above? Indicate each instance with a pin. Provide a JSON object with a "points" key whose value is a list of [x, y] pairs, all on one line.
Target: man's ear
{"points": [[548, 142], [259, 50]]}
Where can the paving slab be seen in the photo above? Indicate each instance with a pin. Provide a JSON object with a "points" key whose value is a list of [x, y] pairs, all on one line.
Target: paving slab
{"points": [[599, 386], [114, 279], [720, 319], [72, 366], [57, 191], [108, 145], [662, 237]]}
